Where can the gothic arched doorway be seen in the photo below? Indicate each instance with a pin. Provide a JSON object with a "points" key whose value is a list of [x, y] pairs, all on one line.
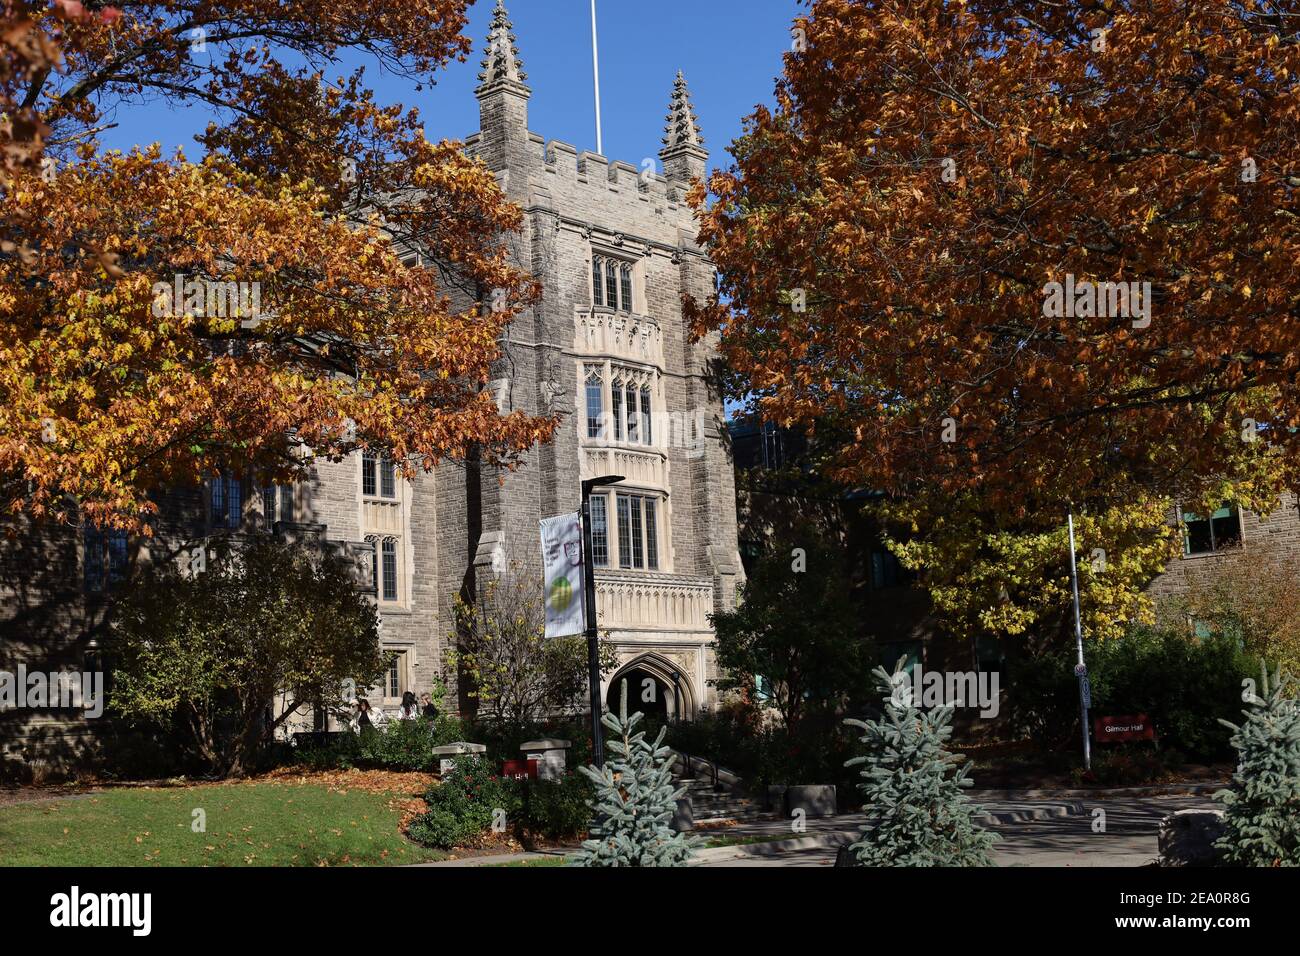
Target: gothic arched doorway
{"points": [[655, 686]]}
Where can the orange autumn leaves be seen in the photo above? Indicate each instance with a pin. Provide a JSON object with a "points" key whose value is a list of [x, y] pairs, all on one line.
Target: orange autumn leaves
{"points": [[372, 328], [929, 167]]}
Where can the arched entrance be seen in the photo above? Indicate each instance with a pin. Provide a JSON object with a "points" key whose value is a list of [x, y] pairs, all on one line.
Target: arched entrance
{"points": [[655, 686]]}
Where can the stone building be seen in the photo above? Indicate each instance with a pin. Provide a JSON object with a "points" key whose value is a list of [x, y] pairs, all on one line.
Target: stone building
{"points": [[613, 246]]}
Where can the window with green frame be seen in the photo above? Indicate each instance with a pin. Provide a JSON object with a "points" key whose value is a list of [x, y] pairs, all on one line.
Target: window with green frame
{"points": [[1220, 531]]}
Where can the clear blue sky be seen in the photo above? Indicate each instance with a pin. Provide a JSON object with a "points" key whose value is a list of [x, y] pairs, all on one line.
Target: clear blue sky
{"points": [[730, 51]]}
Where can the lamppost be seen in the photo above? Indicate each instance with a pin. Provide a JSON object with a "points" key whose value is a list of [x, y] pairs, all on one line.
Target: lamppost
{"points": [[1080, 669], [589, 599]]}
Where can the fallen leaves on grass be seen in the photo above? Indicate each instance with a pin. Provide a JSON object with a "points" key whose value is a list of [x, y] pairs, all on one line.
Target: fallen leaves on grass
{"points": [[341, 781]]}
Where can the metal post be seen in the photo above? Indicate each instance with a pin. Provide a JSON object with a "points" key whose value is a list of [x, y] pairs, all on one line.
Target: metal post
{"points": [[1080, 669], [589, 616]]}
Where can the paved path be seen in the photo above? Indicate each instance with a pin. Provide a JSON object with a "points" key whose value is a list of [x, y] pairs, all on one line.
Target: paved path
{"points": [[1129, 838], [1035, 832]]}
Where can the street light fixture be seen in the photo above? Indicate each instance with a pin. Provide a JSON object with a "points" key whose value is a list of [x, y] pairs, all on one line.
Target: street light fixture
{"points": [[589, 598]]}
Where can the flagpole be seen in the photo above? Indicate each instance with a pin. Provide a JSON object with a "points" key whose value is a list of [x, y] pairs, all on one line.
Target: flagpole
{"points": [[595, 71]]}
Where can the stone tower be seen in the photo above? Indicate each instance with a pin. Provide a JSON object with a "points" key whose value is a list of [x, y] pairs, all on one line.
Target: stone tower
{"points": [[606, 347]]}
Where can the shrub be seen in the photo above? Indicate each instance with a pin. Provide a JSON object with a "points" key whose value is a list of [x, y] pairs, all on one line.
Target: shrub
{"points": [[1127, 765], [400, 745], [557, 809], [1184, 684], [463, 806], [442, 828]]}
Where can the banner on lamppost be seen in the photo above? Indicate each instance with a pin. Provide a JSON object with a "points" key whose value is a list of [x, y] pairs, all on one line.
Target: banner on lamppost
{"points": [[562, 575]]}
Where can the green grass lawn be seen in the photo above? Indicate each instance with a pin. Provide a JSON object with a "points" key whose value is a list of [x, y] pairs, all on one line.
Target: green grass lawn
{"points": [[248, 824]]}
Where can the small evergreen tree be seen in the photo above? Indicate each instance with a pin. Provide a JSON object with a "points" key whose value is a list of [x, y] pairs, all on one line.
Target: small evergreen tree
{"points": [[635, 800], [912, 787], [1262, 805]]}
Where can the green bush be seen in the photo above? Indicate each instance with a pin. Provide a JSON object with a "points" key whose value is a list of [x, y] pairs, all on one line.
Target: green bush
{"points": [[557, 809], [1128, 765], [400, 745], [463, 806], [1184, 684], [442, 828]]}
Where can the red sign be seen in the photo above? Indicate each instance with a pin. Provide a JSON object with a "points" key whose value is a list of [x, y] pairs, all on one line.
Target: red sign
{"points": [[1124, 727], [519, 769]]}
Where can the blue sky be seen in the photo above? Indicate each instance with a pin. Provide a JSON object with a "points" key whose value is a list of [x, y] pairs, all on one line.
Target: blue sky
{"points": [[730, 51]]}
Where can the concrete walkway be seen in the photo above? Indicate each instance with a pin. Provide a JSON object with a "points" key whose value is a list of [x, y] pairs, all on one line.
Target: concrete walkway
{"points": [[1103, 829], [1126, 835]]}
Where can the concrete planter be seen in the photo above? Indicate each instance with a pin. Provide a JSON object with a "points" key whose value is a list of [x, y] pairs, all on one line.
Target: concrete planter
{"points": [[816, 800], [684, 817], [447, 753], [550, 754]]}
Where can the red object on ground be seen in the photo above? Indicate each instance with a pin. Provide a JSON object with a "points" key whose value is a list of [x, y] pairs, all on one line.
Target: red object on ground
{"points": [[519, 769], [1123, 727]]}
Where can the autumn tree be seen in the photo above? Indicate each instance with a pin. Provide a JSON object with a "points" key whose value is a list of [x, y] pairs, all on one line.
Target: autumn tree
{"points": [[990, 574], [891, 231], [320, 278], [515, 673]]}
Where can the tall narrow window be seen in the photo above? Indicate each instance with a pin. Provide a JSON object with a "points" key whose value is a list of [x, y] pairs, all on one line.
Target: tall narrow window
{"points": [[624, 533], [116, 557], [104, 558], [616, 393], [387, 479], [268, 505], [625, 286], [396, 676], [369, 472], [638, 548], [599, 531], [277, 504], [611, 284], [651, 535], [389, 564], [631, 412], [647, 435], [93, 560], [234, 502], [218, 493], [597, 286], [595, 404], [227, 502]]}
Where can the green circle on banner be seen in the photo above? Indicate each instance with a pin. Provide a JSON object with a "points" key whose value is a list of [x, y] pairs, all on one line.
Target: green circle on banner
{"points": [[561, 594]]}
